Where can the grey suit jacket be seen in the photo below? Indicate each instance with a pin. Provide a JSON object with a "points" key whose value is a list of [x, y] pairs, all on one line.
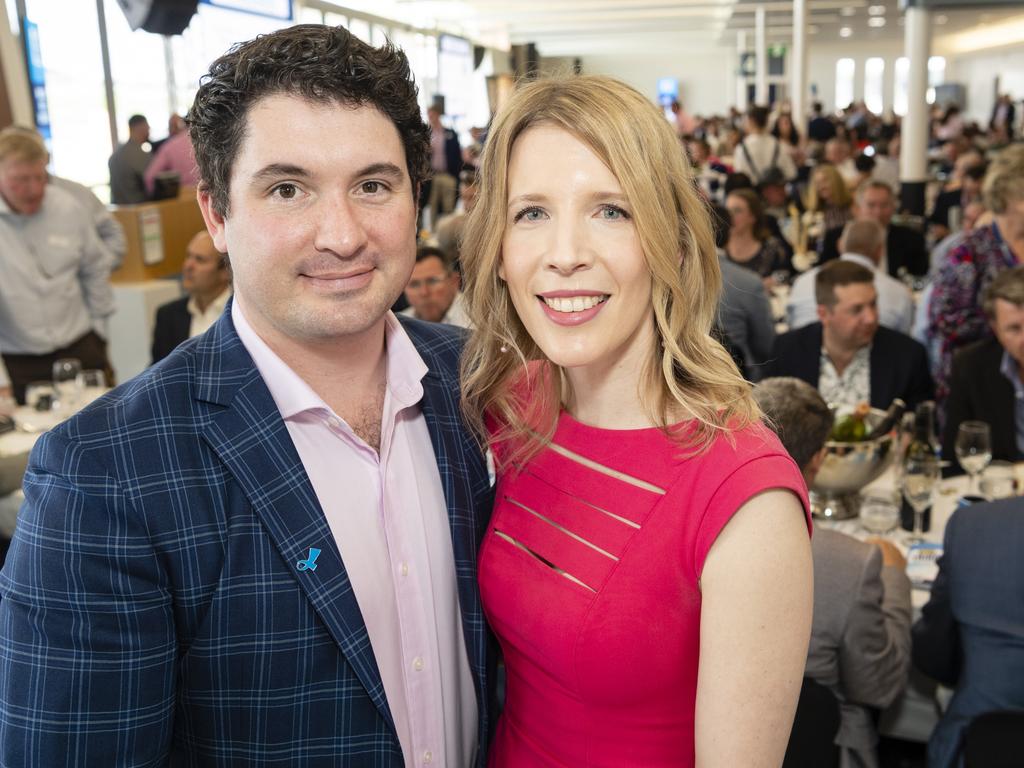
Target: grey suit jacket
{"points": [[745, 314], [860, 636]]}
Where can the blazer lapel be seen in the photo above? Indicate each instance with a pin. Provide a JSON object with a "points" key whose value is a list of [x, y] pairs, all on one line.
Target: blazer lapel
{"points": [[250, 437]]}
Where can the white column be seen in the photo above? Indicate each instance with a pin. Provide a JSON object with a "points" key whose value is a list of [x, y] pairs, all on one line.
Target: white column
{"points": [[798, 67], [741, 77], [914, 131], [761, 54]]}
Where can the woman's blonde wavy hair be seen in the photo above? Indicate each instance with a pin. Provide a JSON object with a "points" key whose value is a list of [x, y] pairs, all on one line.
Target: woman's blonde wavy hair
{"points": [[841, 196], [689, 373]]}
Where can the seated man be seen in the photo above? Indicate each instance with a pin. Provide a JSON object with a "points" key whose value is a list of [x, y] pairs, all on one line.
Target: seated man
{"points": [[904, 247], [206, 278], [971, 633], [986, 382], [847, 355], [433, 290], [862, 243], [860, 634]]}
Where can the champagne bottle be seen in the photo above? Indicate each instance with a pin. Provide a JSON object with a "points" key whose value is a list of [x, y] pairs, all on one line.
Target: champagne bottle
{"points": [[890, 420], [923, 445]]}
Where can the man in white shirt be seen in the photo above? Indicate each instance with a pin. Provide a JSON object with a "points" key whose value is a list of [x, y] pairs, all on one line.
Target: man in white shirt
{"points": [[862, 242], [55, 293], [759, 151], [206, 279], [433, 290]]}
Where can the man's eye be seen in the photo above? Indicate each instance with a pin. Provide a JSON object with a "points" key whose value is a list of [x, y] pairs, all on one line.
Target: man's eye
{"points": [[371, 187], [286, 191]]}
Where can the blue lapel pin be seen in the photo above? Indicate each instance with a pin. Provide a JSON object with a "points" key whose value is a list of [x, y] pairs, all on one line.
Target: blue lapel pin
{"points": [[309, 564]]}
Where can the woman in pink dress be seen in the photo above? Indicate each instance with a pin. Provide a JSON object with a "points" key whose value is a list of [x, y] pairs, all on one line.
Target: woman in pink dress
{"points": [[647, 568]]}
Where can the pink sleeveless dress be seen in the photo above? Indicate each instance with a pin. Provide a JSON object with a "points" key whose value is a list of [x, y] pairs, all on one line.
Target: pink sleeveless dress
{"points": [[591, 585]]}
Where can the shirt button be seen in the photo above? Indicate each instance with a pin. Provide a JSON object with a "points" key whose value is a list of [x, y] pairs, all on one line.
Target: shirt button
{"points": [[417, 663], [428, 756], [404, 569]]}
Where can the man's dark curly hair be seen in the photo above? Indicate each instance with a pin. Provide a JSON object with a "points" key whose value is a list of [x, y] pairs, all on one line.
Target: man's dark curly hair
{"points": [[315, 62]]}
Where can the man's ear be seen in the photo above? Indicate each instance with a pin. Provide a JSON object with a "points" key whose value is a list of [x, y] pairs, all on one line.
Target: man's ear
{"points": [[214, 221], [822, 313]]}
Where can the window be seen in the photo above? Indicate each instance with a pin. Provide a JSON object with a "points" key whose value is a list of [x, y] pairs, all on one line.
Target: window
{"points": [[874, 82], [360, 28], [844, 82], [936, 75], [379, 35], [310, 16], [900, 85]]}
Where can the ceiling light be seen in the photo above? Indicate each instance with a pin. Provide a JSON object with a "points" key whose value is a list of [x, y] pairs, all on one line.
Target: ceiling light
{"points": [[847, 11], [845, 31], [876, 10], [876, 21]]}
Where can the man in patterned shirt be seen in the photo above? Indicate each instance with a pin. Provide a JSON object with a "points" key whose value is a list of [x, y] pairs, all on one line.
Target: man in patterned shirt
{"points": [[847, 355]]}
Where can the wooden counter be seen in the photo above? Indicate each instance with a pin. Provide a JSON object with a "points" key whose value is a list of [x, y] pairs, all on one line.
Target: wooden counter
{"points": [[157, 235]]}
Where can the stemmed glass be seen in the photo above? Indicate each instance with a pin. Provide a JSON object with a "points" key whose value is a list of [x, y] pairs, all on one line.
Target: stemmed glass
{"points": [[65, 380], [920, 475], [974, 448]]}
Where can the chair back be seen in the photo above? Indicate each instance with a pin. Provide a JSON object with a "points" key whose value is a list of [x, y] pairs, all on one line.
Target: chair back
{"points": [[995, 740], [812, 740]]}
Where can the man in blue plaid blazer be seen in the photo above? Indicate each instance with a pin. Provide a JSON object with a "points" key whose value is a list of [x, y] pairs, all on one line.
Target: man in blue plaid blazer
{"points": [[176, 592]]}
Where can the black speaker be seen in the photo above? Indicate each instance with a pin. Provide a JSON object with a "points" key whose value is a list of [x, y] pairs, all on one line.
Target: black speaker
{"points": [[161, 17]]}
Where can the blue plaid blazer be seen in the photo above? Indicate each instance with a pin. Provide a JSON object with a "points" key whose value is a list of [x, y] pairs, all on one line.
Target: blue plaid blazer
{"points": [[151, 611]]}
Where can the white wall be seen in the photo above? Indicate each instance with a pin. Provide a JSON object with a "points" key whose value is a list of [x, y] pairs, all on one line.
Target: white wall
{"points": [[821, 68], [978, 73], [706, 80]]}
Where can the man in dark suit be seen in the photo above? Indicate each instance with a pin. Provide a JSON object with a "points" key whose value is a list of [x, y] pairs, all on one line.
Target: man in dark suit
{"points": [[820, 128], [970, 636], [847, 355], [904, 247], [206, 279], [986, 382], [250, 554], [441, 190]]}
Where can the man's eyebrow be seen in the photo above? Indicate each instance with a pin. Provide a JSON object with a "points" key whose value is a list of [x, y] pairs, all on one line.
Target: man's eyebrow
{"points": [[381, 169], [279, 170]]}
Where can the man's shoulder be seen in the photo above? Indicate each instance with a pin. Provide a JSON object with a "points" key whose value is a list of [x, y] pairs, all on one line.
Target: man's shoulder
{"points": [[805, 334], [735, 276], [981, 355], [840, 551], [174, 307], [439, 344], [893, 345]]}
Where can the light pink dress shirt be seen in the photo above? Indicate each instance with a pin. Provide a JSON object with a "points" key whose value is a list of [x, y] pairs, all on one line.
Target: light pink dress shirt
{"points": [[175, 154], [390, 522]]}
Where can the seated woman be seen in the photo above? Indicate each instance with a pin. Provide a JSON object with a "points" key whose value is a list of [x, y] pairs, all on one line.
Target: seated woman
{"points": [[829, 204], [955, 313], [647, 567], [750, 242]]}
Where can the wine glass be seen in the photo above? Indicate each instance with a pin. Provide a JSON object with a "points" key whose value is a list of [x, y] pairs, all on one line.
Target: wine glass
{"points": [[974, 448], [920, 474], [65, 379], [40, 396], [91, 384]]}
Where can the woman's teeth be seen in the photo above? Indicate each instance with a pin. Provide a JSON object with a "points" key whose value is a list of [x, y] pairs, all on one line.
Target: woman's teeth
{"points": [[574, 304]]}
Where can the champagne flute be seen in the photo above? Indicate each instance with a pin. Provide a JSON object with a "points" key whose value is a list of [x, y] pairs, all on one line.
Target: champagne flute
{"points": [[974, 449], [65, 380], [920, 474]]}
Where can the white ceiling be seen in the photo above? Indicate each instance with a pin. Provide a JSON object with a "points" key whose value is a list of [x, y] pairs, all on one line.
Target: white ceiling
{"points": [[582, 27]]}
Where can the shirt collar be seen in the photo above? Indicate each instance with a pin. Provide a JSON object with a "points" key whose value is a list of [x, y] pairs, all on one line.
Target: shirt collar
{"points": [[858, 258], [405, 369], [1008, 367], [215, 307]]}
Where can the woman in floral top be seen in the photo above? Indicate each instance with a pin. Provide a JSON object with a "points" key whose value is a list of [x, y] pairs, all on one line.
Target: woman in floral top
{"points": [[955, 313]]}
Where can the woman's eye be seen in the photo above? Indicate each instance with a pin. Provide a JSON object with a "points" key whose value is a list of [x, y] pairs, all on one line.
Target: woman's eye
{"points": [[613, 213], [530, 214]]}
